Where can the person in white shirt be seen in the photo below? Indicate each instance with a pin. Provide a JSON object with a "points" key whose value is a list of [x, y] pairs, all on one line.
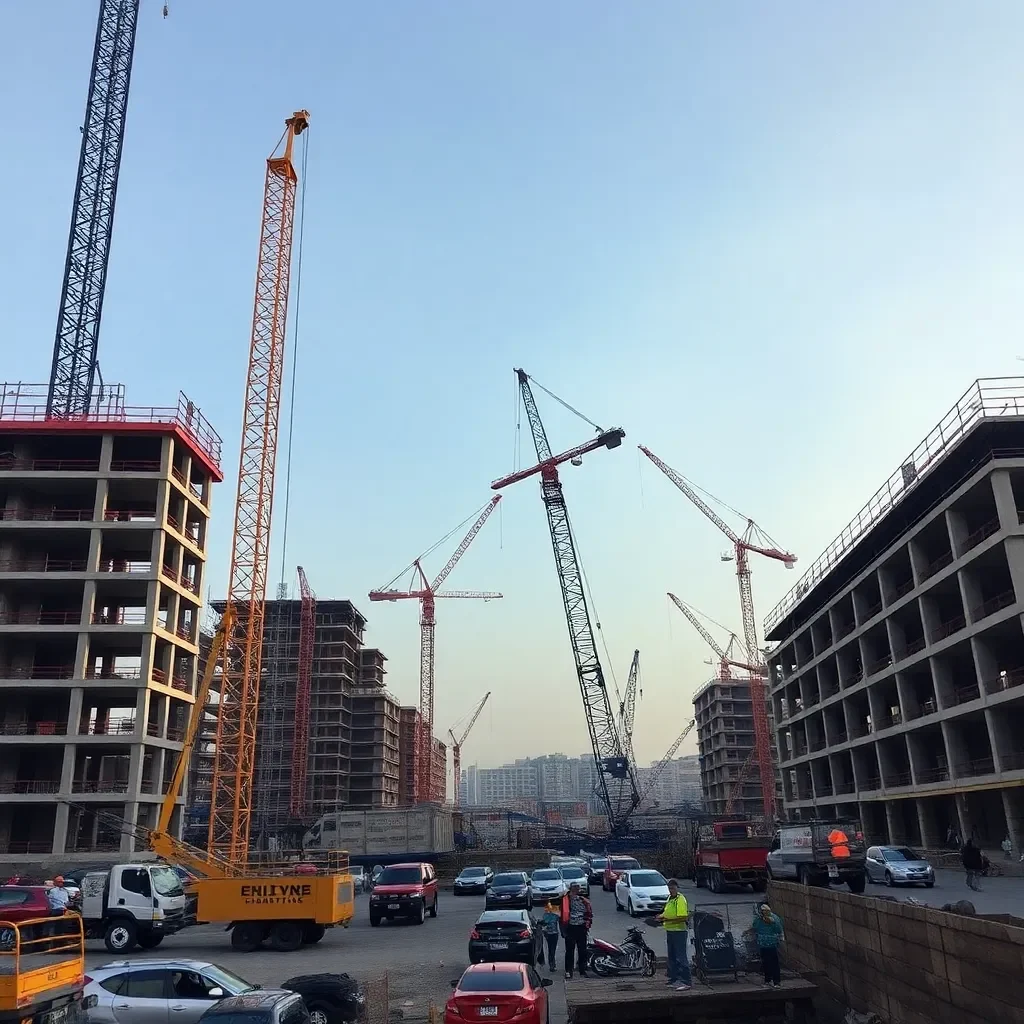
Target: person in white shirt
{"points": [[58, 898]]}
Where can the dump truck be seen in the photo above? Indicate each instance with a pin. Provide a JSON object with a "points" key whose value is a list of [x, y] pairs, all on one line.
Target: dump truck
{"points": [[731, 853], [826, 851], [42, 970]]}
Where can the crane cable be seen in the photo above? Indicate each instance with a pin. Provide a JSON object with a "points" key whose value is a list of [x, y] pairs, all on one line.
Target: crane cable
{"points": [[295, 360]]}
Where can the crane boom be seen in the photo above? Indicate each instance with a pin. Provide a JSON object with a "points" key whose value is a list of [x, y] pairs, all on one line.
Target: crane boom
{"points": [[658, 770], [232, 797], [75, 366], [457, 742], [627, 708], [725, 660], [617, 784], [303, 687]]}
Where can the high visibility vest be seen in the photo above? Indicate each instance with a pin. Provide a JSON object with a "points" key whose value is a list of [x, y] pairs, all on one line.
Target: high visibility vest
{"points": [[838, 840]]}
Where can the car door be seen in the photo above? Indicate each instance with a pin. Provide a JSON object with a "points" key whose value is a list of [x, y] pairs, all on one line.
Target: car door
{"points": [[871, 863], [540, 993], [622, 889], [192, 993], [143, 1000], [779, 868]]}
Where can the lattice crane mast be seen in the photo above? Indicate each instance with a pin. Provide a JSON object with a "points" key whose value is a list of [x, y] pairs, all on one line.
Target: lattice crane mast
{"points": [[659, 769], [75, 366], [231, 802], [457, 742], [426, 593], [725, 661], [742, 546], [617, 783], [627, 706], [303, 685]]}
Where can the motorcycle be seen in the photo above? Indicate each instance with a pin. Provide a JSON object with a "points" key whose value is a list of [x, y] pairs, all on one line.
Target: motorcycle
{"points": [[633, 957]]}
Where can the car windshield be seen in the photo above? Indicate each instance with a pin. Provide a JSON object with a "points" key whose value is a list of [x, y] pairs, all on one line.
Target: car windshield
{"points": [[492, 981], [10, 897], [646, 879], [624, 863], [502, 915], [598, 863], [400, 876], [232, 984], [474, 872], [546, 875], [573, 872], [166, 881], [512, 878], [902, 853]]}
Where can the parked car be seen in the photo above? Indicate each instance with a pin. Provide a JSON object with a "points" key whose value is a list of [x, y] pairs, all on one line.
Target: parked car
{"points": [[274, 1006], [510, 889], [506, 935], [574, 873], [329, 998], [898, 865], [473, 880], [140, 991], [360, 878], [595, 870], [547, 884], [614, 867], [498, 992], [404, 890], [641, 892]]}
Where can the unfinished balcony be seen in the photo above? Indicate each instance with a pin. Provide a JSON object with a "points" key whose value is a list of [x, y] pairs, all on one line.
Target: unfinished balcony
{"points": [[929, 760], [37, 659], [97, 828], [841, 769], [942, 610], [896, 577], [828, 678], [931, 550], [850, 664], [894, 762], [867, 599], [884, 702], [906, 632], [28, 771], [973, 518], [842, 619], [987, 586], [956, 677], [37, 456], [875, 650], [39, 714], [969, 746], [917, 691], [858, 716]]}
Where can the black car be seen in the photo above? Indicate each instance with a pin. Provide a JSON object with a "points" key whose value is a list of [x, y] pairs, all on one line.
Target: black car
{"points": [[595, 870], [506, 935], [268, 1006], [329, 998], [473, 880], [510, 889]]}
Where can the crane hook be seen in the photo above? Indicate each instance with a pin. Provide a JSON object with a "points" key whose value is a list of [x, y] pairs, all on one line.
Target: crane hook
{"points": [[166, 11]]}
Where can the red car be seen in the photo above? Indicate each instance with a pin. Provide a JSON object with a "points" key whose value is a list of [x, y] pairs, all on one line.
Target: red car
{"points": [[499, 992], [614, 867], [21, 902], [404, 890]]}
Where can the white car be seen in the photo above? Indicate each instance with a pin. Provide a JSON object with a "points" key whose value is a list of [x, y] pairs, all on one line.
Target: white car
{"points": [[547, 885], [641, 892], [574, 873]]}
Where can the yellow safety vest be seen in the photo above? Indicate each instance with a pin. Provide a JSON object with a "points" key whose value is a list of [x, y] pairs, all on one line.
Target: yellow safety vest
{"points": [[676, 914]]}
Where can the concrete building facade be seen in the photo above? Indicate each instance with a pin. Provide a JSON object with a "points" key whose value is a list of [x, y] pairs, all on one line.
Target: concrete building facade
{"points": [[897, 676], [103, 532]]}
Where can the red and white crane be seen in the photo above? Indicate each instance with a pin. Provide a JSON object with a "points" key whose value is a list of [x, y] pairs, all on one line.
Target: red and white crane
{"points": [[426, 592], [726, 662], [457, 742], [743, 546]]}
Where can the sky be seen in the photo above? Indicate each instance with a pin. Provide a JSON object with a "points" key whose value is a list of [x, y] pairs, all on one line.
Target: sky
{"points": [[773, 242]]}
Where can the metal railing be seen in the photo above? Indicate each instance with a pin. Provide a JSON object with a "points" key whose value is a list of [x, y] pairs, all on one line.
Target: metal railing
{"points": [[41, 618], [34, 728], [29, 785], [983, 532], [986, 398], [993, 605], [46, 515], [944, 629], [43, 564]]}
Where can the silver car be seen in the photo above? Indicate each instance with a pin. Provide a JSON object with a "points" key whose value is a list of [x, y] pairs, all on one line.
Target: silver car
{"points": [[574, 873], [157, 991], [898, 865]]}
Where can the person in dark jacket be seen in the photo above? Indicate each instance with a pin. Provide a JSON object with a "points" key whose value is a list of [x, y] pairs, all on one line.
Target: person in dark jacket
{"points": [[577, 915], [973, 863]]}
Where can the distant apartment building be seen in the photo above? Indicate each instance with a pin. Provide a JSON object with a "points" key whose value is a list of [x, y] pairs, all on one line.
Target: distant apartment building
{"points": [[550, 780], [677, 783], [409, 724], [898, 673]]}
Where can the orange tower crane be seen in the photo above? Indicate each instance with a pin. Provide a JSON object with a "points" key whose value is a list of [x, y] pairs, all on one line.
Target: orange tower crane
{"points": [[304, 678], [457, 742], [742, 547], [231, 801], [426, 593], [725, 659]]}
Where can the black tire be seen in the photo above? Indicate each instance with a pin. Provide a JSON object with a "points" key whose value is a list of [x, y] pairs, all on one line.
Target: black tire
{"points": [[929, 885], [433, 909], [150, 941], [121, 935], [760, 885], [618, 905], [629, 907], [286, 936], [375, 920], [323, 1013], [421, 915], [803, 875], [888, 879], [246, 936], [312, 933], [650, 965], [856, 883], [714, 882]]}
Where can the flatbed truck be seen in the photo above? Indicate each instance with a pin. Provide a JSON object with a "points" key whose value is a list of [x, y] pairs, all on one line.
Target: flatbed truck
{"points": [[42, 970]]}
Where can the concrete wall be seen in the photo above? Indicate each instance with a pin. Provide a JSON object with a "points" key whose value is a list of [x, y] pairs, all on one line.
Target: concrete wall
{"points": [[908, 964]]}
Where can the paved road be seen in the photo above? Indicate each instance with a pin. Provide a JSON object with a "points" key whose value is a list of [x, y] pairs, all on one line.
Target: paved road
{"points": [[421, 960]]}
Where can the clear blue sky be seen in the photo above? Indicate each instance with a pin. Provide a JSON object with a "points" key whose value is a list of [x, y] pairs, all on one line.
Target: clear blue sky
{"points": [[773, 241]]}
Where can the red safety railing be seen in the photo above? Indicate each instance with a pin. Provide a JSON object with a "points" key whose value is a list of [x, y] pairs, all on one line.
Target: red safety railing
{"points": [[46, 515], [110, 727], [103, 672], [34, 729], [43, 564], [121, 617], [129, 515], [37, 618], [41, 672], [123, 565]]}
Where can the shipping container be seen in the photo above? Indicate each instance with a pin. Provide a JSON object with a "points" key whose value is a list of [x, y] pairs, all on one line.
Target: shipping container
{"points": [[411, 833]]}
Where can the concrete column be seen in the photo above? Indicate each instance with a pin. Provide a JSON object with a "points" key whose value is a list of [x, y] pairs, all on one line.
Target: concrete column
{"points": [[969, 592], [922, 819], [92, 563], [106, 452], [1013, 809], [1014, 547], [993, 733], [890, 822], [958, 531], [76, 699], [100, 501], [1006, 503], [60, 829], [918, 562], [960, 799]]}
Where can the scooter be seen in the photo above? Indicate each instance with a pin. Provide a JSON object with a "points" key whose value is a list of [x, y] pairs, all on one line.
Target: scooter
{"points": [[633, 957]]}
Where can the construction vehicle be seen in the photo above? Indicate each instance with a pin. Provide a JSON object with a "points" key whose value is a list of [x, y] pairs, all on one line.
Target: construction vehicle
{"points": [[42, 970], [731, 853], [824, 851]]}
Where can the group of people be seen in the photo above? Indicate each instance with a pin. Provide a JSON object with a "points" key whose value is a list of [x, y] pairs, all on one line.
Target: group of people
{"points": [[572, 917]]}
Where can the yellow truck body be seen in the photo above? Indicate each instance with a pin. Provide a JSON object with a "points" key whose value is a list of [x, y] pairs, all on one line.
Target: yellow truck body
{"points": [[319, 899], [42, 966]]}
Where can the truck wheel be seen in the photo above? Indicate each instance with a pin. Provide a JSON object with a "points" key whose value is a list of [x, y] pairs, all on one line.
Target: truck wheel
{"points": [[375, 920], [804, 875], [760, 885], [120, 935], [312, 933], [150, 941], [286, 936], [246, 937], [715, 882], [323, 1013], [856, 883]]}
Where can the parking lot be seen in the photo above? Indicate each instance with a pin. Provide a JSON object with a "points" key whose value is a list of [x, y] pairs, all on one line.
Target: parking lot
{"points": [[421, 960]]}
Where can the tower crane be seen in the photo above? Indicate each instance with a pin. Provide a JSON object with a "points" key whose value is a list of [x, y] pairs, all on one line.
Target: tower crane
{"points": [[426, 594], [736, 789], [725, 661], [617, 783], [232, 797], [627, 706], [303, 684], [743, 546], [457, 742], [75, 366], [658, 770]]}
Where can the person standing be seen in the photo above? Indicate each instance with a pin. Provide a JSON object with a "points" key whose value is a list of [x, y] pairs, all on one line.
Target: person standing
{"points": [[58, 898], [768, 930], [549, 925], [973, 862], [577, 915], [675, 918]]}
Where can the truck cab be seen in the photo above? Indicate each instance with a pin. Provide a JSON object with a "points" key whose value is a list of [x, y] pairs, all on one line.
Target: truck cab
{"points": [[133, 904], [42, 970], [819, 852], [731, 853]]}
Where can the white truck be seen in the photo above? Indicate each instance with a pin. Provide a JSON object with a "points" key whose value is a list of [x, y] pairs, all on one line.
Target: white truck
{"points": [[132, 904]]}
